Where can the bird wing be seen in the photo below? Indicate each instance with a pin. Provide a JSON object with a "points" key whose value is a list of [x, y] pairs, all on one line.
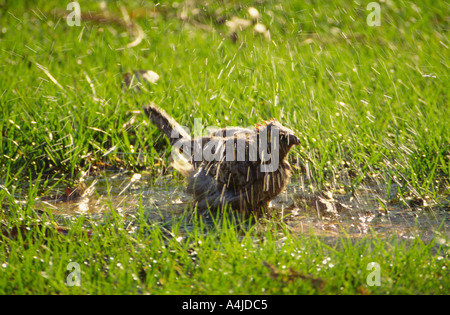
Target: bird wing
{"points": [[227, 165]]}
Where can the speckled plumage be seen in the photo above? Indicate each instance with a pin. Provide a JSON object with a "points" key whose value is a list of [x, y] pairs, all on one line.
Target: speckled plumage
{"points": [[232, 169]]}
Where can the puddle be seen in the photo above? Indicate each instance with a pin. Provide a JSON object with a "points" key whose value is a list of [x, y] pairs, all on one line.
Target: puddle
{"points": [[361, 213], [123, 194], [305, 212]]}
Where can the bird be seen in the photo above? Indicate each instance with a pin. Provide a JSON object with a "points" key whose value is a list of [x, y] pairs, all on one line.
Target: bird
{"points": [[241, 168]]}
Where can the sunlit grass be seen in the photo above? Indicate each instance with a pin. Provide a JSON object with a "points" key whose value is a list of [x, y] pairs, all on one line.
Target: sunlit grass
{"points": [[230, 258], [370, 104]]}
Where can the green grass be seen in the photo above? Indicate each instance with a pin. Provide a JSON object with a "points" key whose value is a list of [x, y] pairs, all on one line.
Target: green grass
{"points": [[369, 103], [224, 257]]}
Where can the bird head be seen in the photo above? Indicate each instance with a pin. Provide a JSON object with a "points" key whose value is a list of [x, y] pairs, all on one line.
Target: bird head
{"points": [[287, 138]]}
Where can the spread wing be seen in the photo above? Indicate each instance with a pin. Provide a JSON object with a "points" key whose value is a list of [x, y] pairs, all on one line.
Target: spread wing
{"points": [[235, 180], [233, 162]]}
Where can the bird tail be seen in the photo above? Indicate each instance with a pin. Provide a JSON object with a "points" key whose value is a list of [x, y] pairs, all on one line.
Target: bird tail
{"points": [[166, 123], [174, 132]]}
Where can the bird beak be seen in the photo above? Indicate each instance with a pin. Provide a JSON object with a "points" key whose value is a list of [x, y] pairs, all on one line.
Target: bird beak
{"points": [[293, 140]]}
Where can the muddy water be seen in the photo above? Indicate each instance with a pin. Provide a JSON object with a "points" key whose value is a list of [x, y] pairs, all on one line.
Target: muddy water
{"points": [[363, 212], [124, 194], [305, 210]]}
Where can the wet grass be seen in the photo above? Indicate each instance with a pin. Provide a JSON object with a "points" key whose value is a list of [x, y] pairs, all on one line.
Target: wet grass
{"points": [[369, 103], [222, 256]]}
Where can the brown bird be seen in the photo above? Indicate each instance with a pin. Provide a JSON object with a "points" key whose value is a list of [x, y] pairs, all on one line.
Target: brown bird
{"points": [[239, 167]]}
